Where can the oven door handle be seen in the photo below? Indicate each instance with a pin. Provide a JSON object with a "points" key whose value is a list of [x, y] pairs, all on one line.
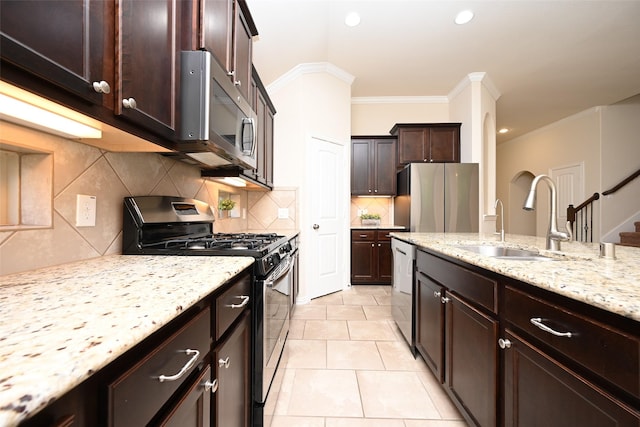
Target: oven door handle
{"points": [[271, 279]]}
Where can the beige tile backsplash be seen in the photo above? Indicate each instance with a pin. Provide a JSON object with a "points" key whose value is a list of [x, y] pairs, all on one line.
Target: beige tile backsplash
{"points": [[373, 205], [83, 169]]}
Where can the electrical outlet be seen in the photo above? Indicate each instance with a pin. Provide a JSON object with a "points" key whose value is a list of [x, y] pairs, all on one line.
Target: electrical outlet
{"points": [[283, 213], [85, 211]]}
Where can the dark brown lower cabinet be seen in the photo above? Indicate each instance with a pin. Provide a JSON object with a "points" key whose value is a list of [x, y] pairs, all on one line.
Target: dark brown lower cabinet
{"points": [[457, 337], [540, 391], [430, 323], [194, 408], [471, 360], [232, 365], [371, 257]]}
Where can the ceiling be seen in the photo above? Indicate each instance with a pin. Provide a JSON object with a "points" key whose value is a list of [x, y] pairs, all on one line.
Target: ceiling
{"points": [[547, 59]]}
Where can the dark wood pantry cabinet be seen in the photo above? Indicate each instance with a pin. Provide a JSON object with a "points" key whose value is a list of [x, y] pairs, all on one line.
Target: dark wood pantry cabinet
{"points": [[373, 166], [371, 257], [427, 142]]}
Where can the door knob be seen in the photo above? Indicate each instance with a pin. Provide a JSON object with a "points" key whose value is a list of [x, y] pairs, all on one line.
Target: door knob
{"points": [[316, 226]]}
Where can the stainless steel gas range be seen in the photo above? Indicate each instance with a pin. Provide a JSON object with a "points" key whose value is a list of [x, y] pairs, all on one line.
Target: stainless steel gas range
{"points": [[161, 225]]}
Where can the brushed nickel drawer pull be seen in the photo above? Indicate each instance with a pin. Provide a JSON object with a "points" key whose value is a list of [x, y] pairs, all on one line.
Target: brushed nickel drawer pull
{"points": [[245, 301], [185, 368], [538, 322]]}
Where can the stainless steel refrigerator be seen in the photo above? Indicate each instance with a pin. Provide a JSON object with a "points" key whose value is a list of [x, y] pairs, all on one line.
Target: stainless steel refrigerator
{"points": [[438, 197], [432, 197]]}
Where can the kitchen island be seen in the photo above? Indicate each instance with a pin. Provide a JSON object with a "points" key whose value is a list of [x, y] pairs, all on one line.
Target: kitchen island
{"points": [[578, 273], [61, 325], [548, 338]]}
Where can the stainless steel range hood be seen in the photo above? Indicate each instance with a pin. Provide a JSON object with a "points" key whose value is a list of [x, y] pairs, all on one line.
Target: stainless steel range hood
{"points": [[217, 125]]}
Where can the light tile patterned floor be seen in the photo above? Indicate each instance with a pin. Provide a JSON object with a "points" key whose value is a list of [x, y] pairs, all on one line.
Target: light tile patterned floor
{"points": [[347, 365]]}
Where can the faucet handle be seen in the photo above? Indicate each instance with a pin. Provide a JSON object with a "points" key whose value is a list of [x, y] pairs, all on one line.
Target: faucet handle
{"points": [[569, 231]]}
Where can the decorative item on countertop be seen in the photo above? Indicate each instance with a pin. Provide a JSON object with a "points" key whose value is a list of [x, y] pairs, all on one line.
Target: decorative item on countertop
{"points": [[370, 219], [225, 206]]}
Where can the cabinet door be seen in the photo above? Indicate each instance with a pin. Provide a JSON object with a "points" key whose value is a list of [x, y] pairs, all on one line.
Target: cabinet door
{"points": [[193, 409], [444, 144], [66, 43], [363, 262], [385, 257], [471, 359], [412, 143], [146, 64], [216, 24], [384, 168], [268, 145], [430, 323], [232, 365], [242, 51], [539, 391], [261, 110], [361, 167]]}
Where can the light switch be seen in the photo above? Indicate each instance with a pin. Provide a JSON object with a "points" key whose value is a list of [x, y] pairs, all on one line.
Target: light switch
{"points": [[85, 211], [283, 213]]}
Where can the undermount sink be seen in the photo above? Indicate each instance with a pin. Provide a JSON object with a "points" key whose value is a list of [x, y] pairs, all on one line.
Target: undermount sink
{"points": [[506, 253]]}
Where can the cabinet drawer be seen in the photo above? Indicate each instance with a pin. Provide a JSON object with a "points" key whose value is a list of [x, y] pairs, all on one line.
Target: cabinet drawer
{"points": [[231, 304], [471, 286], [607, 352], [137, 395], [363, 235], [383, 235]]}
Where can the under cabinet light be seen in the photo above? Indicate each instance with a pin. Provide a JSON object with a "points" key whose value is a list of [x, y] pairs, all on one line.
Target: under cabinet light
{"points": [[28, 114], [233, 181]]}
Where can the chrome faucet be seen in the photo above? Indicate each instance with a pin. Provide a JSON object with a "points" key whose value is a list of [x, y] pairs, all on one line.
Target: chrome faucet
{"points": [[554, 237], [495, 206]]}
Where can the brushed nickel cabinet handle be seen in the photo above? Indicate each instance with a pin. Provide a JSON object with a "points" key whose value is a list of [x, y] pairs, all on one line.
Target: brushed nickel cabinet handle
{"points": [[538, 322], [185, 368]]}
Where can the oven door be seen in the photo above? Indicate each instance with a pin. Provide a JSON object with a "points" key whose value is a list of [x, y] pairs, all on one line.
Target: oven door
{"points": [[273, 325]]}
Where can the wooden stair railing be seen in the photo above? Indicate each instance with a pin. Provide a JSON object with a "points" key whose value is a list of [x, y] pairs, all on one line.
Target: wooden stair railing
{"points": [[581, 219], [581, 216], [622, 183]]}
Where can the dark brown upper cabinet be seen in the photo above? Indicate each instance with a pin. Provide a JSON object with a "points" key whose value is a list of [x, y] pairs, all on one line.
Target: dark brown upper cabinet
{"points": [[427, 142], [373, 166], [227, 30], [76, 57], [147, 63]]}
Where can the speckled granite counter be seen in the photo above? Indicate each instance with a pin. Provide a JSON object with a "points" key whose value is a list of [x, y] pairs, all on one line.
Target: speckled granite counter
{"points": [[378, 227], [579, 273], [60, 325]]}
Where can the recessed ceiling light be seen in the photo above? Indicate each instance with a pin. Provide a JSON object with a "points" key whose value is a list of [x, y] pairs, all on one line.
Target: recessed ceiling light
{"points": [[352, 19], [503, 130], [464, 17]]}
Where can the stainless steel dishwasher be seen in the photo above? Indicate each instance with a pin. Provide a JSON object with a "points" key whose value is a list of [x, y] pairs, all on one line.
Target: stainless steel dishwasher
{"points": [[402, 304]]}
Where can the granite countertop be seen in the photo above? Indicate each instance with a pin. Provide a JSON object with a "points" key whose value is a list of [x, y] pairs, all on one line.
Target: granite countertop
{"points": [[577, 271], [57, 325], [378, 227]]}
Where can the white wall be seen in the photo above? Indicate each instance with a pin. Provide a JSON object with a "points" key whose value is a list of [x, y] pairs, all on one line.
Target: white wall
{"points": [[312, 100], [376, 116]]}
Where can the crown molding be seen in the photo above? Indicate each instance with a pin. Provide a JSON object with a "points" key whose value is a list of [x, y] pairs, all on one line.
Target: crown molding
{"points": [[400, 100], [310, 68], [481, 77]]}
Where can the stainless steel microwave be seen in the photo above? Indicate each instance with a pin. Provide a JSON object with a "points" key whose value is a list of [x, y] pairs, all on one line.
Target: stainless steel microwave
{"points": [[214, 114]]}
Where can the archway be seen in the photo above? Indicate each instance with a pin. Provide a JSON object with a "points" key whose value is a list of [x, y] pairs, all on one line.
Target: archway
{"points": [[519, 221]]}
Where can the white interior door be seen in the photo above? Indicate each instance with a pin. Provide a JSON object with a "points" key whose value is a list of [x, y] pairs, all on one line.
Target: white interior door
{"points": [[327, 216], [569, 183]]}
